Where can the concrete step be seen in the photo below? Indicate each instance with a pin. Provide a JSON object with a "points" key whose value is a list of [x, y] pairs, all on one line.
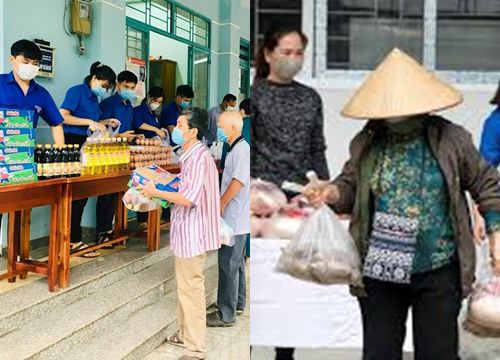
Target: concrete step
{"points": [[137, 336], [28, 302], [63, 329]]}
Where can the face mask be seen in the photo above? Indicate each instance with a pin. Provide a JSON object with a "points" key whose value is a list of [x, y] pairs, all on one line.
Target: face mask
{"points": [[177, 137], [286, 69], [99, 91], [231, 108], [184, 104], [127, 94], [154, 106], [27, 71], [221, 135]]}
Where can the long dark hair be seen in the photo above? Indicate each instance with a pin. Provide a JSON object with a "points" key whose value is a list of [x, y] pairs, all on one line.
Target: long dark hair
{"points": [[496, 98], [271, 41], [102, 72]]}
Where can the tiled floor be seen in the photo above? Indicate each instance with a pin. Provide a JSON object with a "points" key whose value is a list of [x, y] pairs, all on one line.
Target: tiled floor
{"points": [[230, 343]]}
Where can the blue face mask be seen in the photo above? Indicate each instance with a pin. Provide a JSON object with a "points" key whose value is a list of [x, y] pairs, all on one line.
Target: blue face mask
{"points": [[128, 95], [177, 137], [221, 135], [98, 91], [184, 104]]}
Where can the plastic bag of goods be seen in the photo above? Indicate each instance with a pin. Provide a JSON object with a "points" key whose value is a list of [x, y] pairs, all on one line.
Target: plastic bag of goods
{"points": [[134, 201], [483, 310], [226, 233], [265, 198], [322, 252], [163, 180], [285, 224]]}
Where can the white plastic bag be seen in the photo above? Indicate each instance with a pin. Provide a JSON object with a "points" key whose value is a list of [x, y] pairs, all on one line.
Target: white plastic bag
{"points": [[134, 201], [483, 310], [226, 233], [323, 252]]}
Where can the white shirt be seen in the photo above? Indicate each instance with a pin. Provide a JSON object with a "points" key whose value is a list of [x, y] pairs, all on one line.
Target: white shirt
{"points": [[237, 212]]}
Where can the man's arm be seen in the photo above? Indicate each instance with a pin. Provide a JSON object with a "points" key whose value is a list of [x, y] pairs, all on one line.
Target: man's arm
{"points": [[234, 188], [58, 134]]}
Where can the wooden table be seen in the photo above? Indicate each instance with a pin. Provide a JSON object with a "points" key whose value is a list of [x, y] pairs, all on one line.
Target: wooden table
{"points": [[17, 201]]}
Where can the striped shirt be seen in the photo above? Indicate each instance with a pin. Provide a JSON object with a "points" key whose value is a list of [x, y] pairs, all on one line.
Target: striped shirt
{"points": [[195, 230]]}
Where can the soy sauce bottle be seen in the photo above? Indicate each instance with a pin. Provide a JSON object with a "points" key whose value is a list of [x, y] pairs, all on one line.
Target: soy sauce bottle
{"points": [[48, 162], [65, 170], [39, 161]]}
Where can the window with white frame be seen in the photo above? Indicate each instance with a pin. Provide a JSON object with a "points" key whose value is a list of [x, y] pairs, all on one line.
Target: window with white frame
{"points": [[266, 14], [361, 32], [468, 35]]}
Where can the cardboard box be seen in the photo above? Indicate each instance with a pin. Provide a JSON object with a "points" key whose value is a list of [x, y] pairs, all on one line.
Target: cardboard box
{"points": [[164, 180], [16, 119], [16, 155], [17, 137], [16, 174]]}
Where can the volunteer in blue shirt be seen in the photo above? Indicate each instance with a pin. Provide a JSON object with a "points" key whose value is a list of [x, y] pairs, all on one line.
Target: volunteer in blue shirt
{"points": [[170, 112], [145, 120], [81, 112], [18, 90], [490, 149], [118, 106]]}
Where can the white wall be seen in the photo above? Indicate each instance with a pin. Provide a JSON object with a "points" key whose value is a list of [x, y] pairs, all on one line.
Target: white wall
{"points": [[170, 49]]}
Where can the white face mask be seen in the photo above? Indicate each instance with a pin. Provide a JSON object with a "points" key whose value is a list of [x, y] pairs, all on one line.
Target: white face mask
{"points": [[154, 106], [27, 71], [231, 108]]}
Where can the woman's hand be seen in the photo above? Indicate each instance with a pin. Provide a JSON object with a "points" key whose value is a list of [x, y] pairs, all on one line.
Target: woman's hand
{"points": [[321, 192], [494, 239], [97, 126], [127, 134], [111, 122], [149, 190]]}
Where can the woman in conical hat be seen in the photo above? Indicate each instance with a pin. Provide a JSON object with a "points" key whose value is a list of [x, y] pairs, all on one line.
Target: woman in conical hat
{"points": [[404, 186]]}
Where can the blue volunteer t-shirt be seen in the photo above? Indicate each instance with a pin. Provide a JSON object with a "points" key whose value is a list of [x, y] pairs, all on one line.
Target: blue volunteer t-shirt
{"points": [[37, 99], [143, 115], [115, 107], [82, 103]]}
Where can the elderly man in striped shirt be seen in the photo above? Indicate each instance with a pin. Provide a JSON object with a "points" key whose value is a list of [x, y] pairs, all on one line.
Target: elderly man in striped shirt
{"points": [[194, 230]]}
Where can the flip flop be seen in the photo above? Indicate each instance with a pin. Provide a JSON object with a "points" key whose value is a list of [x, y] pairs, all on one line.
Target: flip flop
{"points": [[174, 340], [83, 246]]}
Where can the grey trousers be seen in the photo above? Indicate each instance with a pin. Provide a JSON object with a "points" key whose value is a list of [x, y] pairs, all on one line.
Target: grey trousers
{"points": [[231, 293]]}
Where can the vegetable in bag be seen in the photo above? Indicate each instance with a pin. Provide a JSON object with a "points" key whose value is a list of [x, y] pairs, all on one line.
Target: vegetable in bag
{"points": [[322, 252]]}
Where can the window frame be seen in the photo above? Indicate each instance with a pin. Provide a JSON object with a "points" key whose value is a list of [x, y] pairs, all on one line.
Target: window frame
{"points": [[315, 26]]}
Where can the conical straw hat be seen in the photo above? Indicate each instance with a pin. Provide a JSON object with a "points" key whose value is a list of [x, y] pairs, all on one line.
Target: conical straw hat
{"points": [[398, 87]]}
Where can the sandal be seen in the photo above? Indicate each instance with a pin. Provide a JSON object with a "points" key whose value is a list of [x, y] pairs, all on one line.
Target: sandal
{"points": [[174, 340], [105, 237], [82, 246]]}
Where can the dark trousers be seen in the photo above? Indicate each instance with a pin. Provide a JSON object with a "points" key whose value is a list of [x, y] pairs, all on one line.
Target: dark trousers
{"points": [[284, 353], [231, 293], [142, 217], [435, 299], [105, 212], [78, 206]]}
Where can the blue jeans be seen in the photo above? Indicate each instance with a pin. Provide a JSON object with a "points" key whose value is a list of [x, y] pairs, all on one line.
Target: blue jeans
{"points": [[231, 293]]}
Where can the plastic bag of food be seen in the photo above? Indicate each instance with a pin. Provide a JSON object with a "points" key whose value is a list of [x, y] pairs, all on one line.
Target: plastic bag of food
{"points": [[322, 252], [226, 233], [265, 198], [483, 310], [135, 201]]}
